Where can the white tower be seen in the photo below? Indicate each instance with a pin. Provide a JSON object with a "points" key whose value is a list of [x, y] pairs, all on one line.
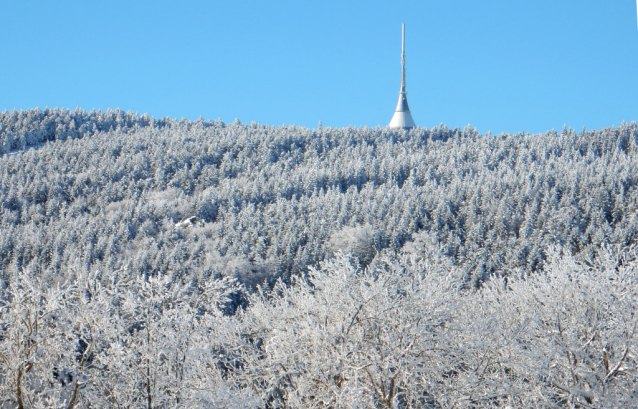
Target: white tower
{"points": [[402, 117]]}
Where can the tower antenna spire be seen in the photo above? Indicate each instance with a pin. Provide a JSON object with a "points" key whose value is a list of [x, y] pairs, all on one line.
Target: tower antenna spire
{"points": [[402, 117], [402, 57]]}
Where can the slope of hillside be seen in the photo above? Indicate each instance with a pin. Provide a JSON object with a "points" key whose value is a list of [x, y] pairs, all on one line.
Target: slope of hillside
{"points": [[106, 190]]}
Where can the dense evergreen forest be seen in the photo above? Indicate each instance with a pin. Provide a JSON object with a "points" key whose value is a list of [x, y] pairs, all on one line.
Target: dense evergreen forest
{"points": [[105, 190], [374, 268]]}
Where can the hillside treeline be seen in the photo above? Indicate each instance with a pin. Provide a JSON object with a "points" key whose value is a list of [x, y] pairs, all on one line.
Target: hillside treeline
{"points": [[102, 191]]}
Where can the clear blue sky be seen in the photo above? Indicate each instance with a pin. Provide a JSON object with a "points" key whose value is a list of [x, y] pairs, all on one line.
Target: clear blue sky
{"points": [[499, 65]]}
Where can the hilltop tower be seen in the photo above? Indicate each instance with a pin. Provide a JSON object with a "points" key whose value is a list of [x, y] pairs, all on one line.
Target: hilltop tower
{"points": [[402, 117]]}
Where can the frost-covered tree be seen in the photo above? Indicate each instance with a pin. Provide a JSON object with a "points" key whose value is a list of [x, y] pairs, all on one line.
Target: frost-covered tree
{"points": [[142, 342], [576, 329], [404, 334]]}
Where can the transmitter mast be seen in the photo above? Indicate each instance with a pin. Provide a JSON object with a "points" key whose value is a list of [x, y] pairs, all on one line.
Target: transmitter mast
{"points": [[402, 117]]}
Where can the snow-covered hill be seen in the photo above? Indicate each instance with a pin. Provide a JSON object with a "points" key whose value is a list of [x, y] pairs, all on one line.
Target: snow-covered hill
{"points": [[107, 190], [501, 271]]}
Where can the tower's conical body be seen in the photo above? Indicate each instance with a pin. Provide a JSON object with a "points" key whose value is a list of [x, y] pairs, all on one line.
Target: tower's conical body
{"points": [[402, 117]]}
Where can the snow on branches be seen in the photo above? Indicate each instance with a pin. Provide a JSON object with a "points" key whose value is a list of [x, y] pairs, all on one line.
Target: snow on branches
{"points": [[399, 334]]}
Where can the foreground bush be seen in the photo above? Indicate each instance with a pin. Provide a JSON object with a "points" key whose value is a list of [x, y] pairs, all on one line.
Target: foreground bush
{"points": [[399, 334]]}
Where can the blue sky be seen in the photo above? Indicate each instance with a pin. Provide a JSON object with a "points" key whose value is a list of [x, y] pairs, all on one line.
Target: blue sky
{"points": [[499, 65]]}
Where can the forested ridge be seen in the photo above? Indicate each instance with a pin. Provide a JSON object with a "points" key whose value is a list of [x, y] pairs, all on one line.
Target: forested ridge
{"points": [[430, 268], [107, 189]]}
